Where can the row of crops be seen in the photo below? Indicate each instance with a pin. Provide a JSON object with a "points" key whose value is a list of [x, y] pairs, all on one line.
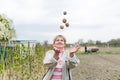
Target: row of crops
{"points": [[22, 62]]}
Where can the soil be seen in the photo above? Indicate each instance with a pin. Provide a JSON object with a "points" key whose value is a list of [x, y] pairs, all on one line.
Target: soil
{"points": [[97, 67]]}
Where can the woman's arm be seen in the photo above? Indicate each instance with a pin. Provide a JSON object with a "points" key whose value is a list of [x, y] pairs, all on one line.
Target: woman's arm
{"points": [[73, 60], [49, 59]]}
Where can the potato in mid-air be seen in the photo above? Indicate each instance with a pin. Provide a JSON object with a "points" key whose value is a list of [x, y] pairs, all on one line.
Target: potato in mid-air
{"points": [[61, 27]]}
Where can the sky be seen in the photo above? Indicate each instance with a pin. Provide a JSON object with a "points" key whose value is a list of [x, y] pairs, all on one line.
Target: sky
{"points": [[41, 19]]}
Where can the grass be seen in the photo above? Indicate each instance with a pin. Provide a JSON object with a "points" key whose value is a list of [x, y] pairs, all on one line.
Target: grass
{"points": [[103, 50]]}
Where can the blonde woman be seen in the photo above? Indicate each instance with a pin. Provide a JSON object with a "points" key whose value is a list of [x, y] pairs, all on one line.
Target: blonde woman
{"points": [[60, 61]]}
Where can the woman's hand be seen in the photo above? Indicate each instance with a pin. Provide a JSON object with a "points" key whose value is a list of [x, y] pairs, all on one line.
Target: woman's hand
{"points": [[57, 51], [74, 49]]}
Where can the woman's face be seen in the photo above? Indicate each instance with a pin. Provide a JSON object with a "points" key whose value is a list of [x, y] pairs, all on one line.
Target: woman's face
{"points": [[59, 42]]}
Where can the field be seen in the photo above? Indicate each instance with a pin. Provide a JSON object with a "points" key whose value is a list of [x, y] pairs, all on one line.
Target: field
{"points": [[98, 66], [102, 65]]}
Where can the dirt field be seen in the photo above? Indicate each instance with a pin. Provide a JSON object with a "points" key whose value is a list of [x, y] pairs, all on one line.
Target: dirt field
{"points": [[98, 67]]}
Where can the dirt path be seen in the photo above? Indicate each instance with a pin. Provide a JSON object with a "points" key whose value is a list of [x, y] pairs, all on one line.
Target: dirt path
{"points": [[98, 67]]}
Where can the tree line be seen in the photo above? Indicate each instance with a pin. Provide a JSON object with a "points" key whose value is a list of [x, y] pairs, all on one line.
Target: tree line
{"points": [[110, 43]]}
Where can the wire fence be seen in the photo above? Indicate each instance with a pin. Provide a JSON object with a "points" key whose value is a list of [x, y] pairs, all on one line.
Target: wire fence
{"points": [[21, 61]]}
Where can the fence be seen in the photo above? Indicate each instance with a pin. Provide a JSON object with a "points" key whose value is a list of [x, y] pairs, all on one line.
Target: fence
{"points": [[21, 61]]}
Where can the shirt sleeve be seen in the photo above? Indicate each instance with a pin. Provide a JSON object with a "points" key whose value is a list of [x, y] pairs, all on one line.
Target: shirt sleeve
{"points": [[72, 61], [49, 60]]}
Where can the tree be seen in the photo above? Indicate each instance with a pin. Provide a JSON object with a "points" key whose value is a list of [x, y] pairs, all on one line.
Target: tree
{"points": [[7, 32], [80, 41], [91, 42], [45, 44], [114, 42], [98, 43]]}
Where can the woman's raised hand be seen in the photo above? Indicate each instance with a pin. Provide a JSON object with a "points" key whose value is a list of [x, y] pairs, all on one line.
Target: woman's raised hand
{"points": [[74, 49], [57, 51]]}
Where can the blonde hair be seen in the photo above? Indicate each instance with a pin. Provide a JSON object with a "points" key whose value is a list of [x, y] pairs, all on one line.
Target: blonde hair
{"points": [[61, 37]]}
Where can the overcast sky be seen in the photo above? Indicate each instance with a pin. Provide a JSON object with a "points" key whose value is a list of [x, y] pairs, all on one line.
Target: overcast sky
{"points": [[40, 19]]}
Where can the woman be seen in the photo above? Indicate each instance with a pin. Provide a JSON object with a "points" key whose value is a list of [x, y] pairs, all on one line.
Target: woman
{"points": [[59, 61]]}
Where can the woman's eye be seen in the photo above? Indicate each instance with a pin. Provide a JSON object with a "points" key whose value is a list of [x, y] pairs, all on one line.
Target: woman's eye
{"points": [[61, 40], [57, 40]]}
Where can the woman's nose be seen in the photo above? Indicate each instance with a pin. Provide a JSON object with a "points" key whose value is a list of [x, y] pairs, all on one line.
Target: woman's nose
{"points": [[59, 41]]}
